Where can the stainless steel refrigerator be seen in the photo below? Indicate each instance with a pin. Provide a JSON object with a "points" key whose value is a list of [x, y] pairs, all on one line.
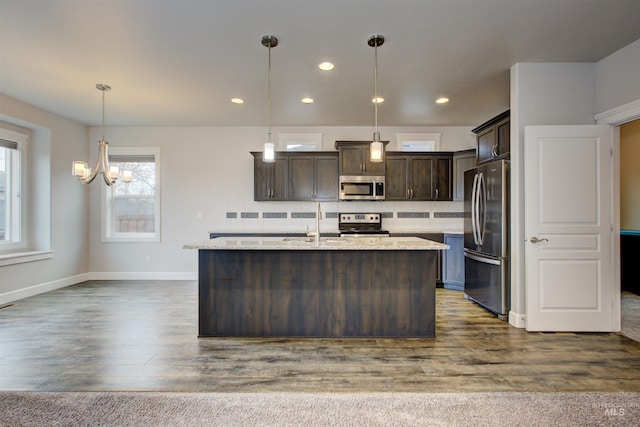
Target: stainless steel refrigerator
{"points": [[486, 236]]}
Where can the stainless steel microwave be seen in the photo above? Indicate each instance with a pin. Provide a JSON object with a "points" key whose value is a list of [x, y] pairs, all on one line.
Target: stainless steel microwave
{"points": [[361, 187]]}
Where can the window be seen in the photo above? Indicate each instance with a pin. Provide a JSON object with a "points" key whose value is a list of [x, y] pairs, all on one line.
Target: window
{"points": [[418, 141], [132, 209], [306, 141], [11, 177]]}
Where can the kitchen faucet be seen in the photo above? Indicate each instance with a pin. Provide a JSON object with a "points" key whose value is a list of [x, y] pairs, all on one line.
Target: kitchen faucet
{"points": [[316, 234]]}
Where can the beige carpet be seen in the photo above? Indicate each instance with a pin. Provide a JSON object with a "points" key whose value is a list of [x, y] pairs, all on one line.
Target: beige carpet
{"points": [[285, 409]]}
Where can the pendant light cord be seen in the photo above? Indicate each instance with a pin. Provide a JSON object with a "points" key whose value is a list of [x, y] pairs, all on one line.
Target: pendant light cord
{"points": [[269, 95], [103, 126], [375, 85]]}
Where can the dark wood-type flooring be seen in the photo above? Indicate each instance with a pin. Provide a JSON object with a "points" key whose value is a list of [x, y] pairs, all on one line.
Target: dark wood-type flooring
{"points": [[128, 336]]}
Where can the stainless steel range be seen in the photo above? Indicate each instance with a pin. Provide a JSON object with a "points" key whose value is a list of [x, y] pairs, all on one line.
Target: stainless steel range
{"points": [[361, 224]]}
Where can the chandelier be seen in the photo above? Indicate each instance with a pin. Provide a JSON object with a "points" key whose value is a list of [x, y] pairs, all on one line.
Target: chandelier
{"points": [[111, 174], [376, 148]]}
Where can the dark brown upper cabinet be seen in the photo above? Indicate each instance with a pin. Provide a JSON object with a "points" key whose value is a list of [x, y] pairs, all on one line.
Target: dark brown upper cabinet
{"points": [[418, 176], [270, 180], [313, 176], [493, 138], [296, 176], [354, 158]]}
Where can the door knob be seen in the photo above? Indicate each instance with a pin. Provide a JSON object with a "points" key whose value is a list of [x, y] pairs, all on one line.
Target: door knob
{"points": [[534, 239]]}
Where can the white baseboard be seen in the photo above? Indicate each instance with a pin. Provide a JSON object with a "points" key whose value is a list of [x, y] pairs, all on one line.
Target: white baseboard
{"points": [[143, 275], [11, 296], [517, 319], [42, 288]]}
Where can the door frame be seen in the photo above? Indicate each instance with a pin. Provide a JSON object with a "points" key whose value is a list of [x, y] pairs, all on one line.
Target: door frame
{"points": [[614, 117]]}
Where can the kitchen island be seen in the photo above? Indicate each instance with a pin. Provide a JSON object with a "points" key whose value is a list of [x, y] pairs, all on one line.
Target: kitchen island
{"points": [[334, 287]]}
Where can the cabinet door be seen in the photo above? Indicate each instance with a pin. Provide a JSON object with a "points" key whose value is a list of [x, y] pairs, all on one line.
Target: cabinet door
{"points": [[503, 132], [396, 178], [351, 160], [301, 178], [453, 262], [279, 181], [270, 179], [421, 178], [326, 178], [486, 144], [442, 182], [461, 163], [371, 168]]}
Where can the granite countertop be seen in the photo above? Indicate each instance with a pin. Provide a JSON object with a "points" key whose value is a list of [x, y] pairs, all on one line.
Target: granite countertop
{"points": [[329, 233], [326, 243]]}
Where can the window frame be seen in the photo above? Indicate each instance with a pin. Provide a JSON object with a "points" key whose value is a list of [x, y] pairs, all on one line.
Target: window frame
{"points": [[18, 197], [401, 138], [110, 236]]}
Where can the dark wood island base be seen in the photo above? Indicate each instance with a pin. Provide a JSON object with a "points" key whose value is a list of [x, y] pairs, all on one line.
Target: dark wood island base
{"points": [[317, 293]]}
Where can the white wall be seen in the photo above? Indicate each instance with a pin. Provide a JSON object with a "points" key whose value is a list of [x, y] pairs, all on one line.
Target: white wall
{"points": [[541, 94], [208, 171], [59, 203], [618, 78]]}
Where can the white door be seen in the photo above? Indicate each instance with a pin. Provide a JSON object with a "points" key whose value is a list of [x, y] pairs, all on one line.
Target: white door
{"points": [[569, 229]]}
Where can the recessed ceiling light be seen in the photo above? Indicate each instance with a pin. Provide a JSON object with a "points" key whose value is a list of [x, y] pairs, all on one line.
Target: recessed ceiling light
{"points": [[237, 100], [326, 66], [442, 100], [378, 100], [307, 100]]}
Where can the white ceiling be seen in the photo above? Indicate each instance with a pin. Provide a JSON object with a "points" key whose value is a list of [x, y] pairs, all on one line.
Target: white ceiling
{"points": [[178, 62]]}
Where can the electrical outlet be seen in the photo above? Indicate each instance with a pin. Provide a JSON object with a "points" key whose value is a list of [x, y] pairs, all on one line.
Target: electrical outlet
{"points": [[148, 259]]}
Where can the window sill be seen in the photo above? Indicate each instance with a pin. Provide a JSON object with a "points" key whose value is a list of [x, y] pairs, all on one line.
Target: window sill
{"points": [[22, 257]]}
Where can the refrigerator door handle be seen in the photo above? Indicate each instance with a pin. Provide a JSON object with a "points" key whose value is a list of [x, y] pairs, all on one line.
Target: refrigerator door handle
{"points": [[482, 259], [474, 194], [481, 209]]}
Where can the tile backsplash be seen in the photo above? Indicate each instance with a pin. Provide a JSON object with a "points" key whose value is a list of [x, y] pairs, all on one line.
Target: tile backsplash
{"points": [[412, 216]]}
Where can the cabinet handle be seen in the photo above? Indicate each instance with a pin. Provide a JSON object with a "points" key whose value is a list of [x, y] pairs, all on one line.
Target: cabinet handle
{"points": [[407, 193], [436, 194], [412, 193], [364, 167], [494, 150]]}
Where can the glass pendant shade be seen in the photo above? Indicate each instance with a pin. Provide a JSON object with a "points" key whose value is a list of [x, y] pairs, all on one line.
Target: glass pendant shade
{"points": [[80, 169], [376, 149], [269, 155]]}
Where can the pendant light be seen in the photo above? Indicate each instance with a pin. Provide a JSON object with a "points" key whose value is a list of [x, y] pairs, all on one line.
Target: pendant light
{"points": [[81, 169], [376, 148], [269, 154]]}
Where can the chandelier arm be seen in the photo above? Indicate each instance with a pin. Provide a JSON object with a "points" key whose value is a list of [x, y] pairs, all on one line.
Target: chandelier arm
{"points": [[104, 159], [89, 179], [94, 172]]}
